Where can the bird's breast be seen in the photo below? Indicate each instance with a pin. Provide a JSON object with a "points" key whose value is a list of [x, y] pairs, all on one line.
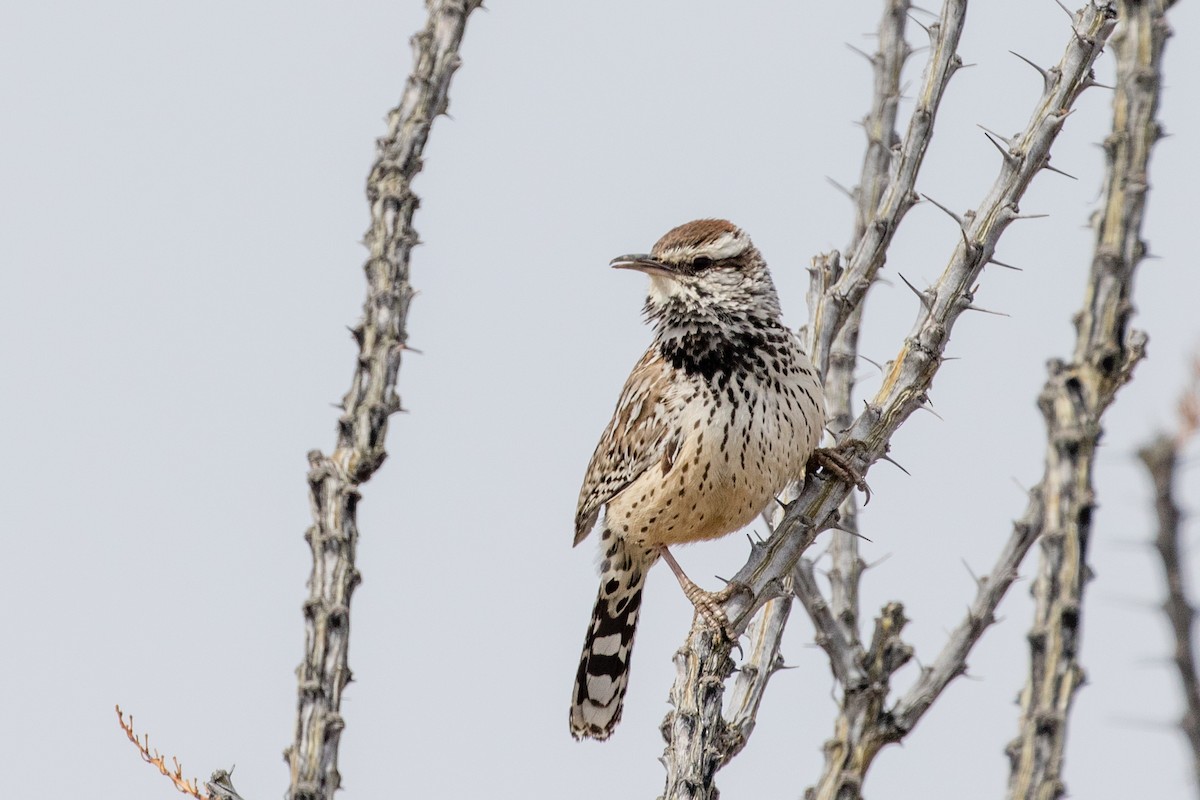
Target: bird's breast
{"points": [[740, 436]]}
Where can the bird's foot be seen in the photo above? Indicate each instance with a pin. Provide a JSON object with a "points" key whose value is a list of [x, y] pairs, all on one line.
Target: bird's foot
{"points": [[837, 461], [708, 607], [708, 604]]}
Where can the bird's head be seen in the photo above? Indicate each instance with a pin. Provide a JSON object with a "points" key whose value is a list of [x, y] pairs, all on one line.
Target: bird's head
{"points": [[705, 271]]}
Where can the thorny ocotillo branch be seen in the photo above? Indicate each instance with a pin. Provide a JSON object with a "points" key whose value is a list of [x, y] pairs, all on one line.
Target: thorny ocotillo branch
{"points": [[1161, 458], [838, 378], [1073, 400], [695, 730], [869, 214], [764, 634], [334, 479]]}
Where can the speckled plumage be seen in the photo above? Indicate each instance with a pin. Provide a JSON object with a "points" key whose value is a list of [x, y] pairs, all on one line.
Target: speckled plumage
{"points": [[720, 415]]}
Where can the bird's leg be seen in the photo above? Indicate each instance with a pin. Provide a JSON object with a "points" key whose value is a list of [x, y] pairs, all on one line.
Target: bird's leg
{"points": [[708, 604], [837, 460]]}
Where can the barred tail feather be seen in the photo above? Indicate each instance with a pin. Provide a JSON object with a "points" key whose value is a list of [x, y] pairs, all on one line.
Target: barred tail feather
{"points": [[603, 674]]}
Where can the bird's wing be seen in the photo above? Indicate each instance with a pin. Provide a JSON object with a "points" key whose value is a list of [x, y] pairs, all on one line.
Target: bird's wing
{"points": [[636, 439]]}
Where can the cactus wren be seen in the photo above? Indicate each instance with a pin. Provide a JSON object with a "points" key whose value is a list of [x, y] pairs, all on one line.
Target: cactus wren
{"points": [[721, 414]]}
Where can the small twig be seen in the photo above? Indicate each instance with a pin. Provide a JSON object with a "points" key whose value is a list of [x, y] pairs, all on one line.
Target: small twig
{"points": [[846, 654], [762, 660], [951, 662]]}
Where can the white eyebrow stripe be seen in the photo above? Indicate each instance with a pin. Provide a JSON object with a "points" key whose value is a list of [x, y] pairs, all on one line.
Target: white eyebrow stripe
{"points": [[727, 245]]}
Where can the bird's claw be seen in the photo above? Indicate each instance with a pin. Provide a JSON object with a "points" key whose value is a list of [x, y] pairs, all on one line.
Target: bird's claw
{"points": [[836, 461]]}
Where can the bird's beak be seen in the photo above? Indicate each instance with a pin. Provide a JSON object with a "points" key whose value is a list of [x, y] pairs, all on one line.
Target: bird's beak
{"points": [[642, 262]]}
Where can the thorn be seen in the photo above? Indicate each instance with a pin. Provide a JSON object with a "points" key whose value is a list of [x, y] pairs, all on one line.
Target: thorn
{"points": [[855, 534], [1009, 158], [920, 296], [1005, 139], [1046, 82], [1047, 166], [1066, 11], [1090, 82], [870, 58], [879, 366], [1018, 484], [1030, 216], [987, 311], [919, 24], [922, 10], [877, 562], [840, 188], [408, 349], [952, 215], [889, 459], [1002, 264], [931, 411]]}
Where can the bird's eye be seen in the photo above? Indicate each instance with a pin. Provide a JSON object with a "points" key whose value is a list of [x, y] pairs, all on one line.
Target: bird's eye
{"points": [[701, 262]]}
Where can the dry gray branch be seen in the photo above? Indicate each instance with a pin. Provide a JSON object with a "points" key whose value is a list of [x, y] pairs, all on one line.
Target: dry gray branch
{"points": [[838, 378], [886, 190], [849, 754], [864, 726], [1075, 396], [762, 661], [362, 428], [846, 653], [910, 374], [1161, 458], [220, 786]]}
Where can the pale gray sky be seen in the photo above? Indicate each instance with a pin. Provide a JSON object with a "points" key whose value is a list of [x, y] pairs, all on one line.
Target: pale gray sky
{"points": [[181, 188]]}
